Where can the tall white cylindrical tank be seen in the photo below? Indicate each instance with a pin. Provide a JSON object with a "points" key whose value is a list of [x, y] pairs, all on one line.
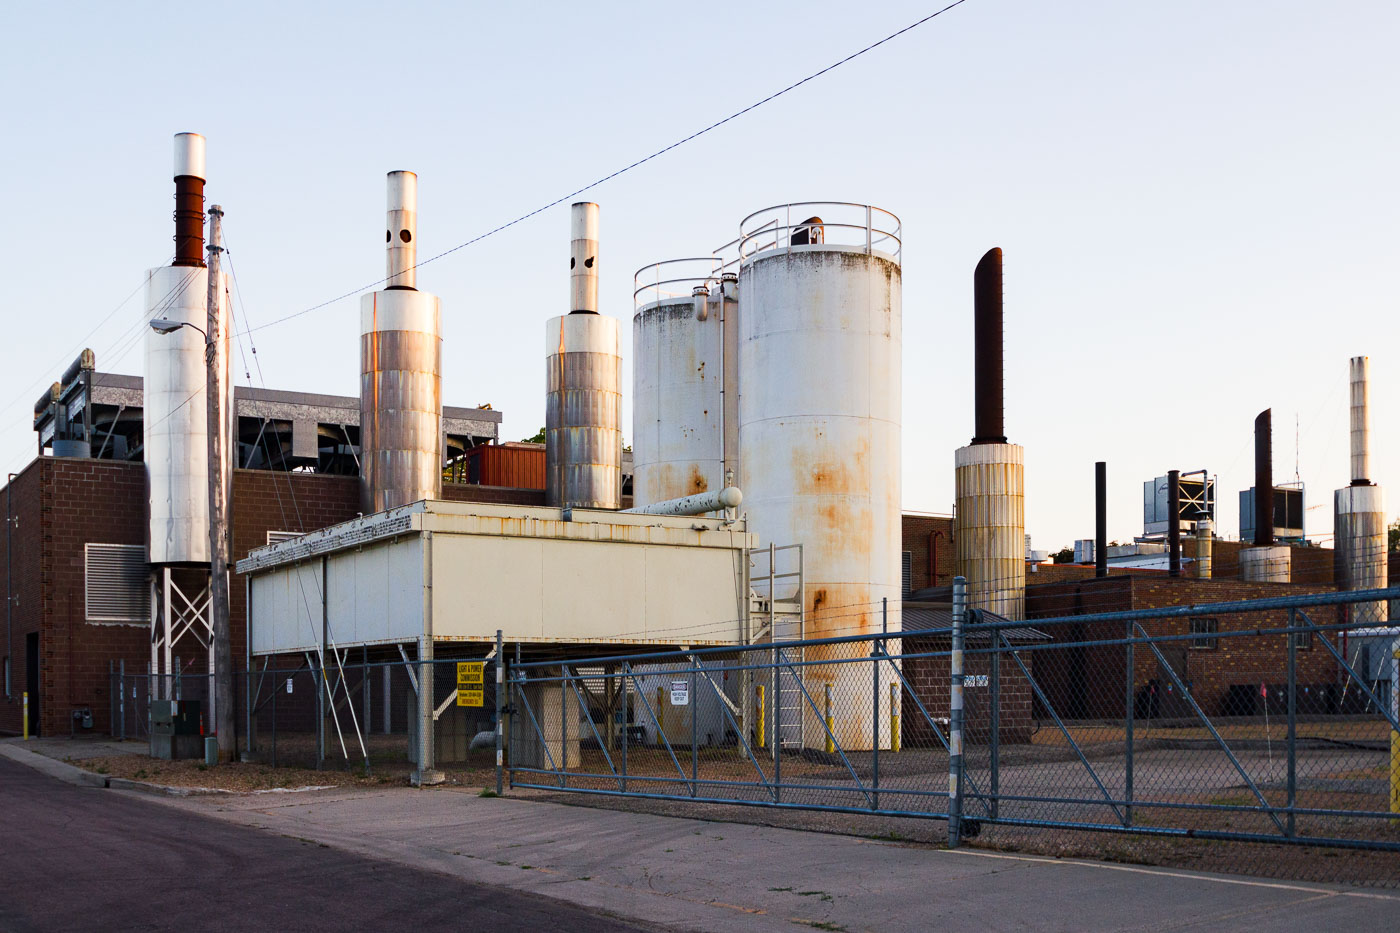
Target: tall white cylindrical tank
{"points": [[989, 537], [400, 371], [819, 430], [677, 401], [1360, 373], [583, 384], [175, 403]]}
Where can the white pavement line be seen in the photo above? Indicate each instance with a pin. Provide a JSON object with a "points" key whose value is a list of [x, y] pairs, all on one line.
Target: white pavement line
{"points": [[1167, 873]]}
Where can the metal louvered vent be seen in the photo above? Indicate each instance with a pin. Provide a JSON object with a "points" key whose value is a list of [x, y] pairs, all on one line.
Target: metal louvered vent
{"points": [[116, 588], [277, 537], [907, 581]]}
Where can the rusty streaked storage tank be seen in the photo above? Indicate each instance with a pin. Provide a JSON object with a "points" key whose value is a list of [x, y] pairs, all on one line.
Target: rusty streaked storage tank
{"points": [[677, 381], [400, 370], [819, 429], [1360, 557], [989, 474], [175, 404], [583, 384]]}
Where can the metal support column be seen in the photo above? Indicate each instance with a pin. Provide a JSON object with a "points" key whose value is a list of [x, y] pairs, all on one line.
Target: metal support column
{"points": [[1129, 704], [1292, 721], [500, 711], [955, 714], [994, 688]]}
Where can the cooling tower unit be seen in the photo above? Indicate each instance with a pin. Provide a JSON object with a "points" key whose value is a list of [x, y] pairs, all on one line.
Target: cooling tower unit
{"points": [[677, 382], [175, 406], [400, 370], [1360, 558], [583, 380], [990, 483], [819, 427]]}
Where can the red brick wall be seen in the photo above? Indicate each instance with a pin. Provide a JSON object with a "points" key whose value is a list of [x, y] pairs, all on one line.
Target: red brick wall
{"points": [[503, 495], [929, 678], [917, 532]]}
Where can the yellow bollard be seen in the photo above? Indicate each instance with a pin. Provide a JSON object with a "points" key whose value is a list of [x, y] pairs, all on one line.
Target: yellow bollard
{"points": [[26, 715], [762, 720], [894, 717], [830, 724]]}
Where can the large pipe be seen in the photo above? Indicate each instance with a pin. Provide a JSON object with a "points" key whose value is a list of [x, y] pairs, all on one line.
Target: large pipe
{"points": [[583, 258], [713, 501], [1264, 478], [189, 200], [989, 416], [1203, 549], [1101, 519], [401, 237], [1360, 421], [1174, 523]]}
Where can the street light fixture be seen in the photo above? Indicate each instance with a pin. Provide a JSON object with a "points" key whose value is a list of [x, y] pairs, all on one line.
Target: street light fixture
{"points": [[163, 325]]}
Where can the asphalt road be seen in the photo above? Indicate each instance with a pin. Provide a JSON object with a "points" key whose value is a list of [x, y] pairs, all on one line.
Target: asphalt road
{"points": [[74, 858]]}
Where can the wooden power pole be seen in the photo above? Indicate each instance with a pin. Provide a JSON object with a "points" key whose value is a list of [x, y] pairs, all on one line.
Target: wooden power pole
{"points": [[216, 361]]}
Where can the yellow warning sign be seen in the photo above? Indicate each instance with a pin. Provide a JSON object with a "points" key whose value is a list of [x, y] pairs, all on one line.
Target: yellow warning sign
{"points": [[471, 675]]}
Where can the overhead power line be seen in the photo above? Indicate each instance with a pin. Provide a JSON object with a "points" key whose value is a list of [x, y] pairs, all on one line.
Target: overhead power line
{"points": [[627, 168]]}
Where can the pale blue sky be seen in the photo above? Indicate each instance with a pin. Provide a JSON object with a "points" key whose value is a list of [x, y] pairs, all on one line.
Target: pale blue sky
{"points": [[1197, 200]]}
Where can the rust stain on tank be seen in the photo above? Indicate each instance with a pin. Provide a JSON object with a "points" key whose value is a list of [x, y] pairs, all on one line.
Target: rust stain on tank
{"points": [[697, 483]]}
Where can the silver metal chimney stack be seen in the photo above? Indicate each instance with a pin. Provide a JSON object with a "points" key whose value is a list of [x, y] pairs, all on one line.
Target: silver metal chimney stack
{"points": [[400, 370], [1359, 532], [583, 385]]}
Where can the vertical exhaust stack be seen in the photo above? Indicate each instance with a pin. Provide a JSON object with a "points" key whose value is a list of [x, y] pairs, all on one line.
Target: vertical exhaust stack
{"points": [[1203, 549], [175, 407], [1264, 478], [1360, 540], [400, 370], [1174, 523], [990, 523], [1265, 562], [1101, 519], [583, 385]]}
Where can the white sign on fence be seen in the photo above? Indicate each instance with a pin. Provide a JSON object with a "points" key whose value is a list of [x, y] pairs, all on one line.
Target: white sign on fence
{"points": [[680, 693], [974, 680]]}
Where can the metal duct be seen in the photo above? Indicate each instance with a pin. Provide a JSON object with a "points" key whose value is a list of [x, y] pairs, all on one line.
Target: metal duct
{"points": [[1264, 478], [401, 235], [583, 258], [989, 415], [1174, 523], [189, 200], [1360, 421], [1101, 519]]}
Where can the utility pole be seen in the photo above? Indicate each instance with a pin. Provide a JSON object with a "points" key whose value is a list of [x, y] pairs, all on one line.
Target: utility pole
{"points": [[214, 358]]}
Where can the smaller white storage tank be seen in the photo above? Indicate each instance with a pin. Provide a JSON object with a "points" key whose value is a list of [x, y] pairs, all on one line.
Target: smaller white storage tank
{"points": [[677, 382]]}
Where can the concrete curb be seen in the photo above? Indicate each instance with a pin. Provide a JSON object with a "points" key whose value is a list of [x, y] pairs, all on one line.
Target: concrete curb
{"points": [[52, 767], [165, 790]]}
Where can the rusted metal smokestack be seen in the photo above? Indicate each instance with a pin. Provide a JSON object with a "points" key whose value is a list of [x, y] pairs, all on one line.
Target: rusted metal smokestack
{"points": [[189, 200], [583, 258], [1101, 519], [1174, 523], [989, 427], [1264, 478]]}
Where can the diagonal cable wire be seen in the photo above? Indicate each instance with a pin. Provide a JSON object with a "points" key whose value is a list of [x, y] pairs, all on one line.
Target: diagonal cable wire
{"points": [[627, 168]]}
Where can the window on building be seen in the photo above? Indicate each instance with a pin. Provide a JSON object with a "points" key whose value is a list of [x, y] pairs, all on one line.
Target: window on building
{"points": [[908, 573], [277, 537], [1205, 631], [115, 583], [1303, 640]]}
